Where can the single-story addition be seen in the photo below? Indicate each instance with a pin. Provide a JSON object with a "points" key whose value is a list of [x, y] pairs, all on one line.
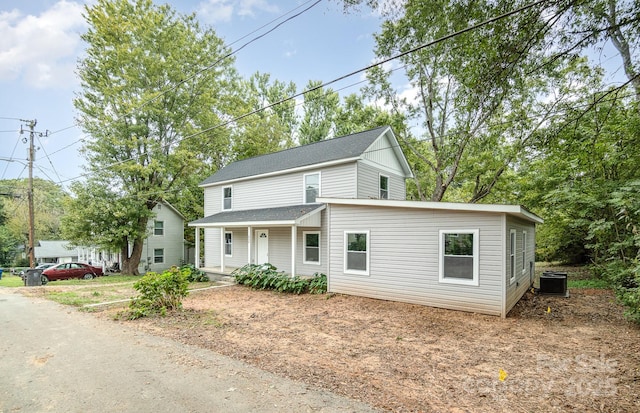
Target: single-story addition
{"points": [[470, 257]]}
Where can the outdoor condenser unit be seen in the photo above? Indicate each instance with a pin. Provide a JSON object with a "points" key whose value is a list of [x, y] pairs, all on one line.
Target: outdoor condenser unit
{"points": [[553, 282]]}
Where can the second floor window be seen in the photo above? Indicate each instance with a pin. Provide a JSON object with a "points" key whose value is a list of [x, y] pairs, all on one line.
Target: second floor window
{"points": [[158, 228], [384, 187], [226, 197], [311, 187]]}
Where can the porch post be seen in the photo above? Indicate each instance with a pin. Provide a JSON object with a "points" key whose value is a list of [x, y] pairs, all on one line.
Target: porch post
{"points": [[222, 246], [293, 250], [249, 245], [197, 255]]}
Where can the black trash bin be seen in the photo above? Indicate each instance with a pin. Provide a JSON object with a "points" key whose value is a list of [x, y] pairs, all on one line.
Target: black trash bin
{"points": [[33, 277]]}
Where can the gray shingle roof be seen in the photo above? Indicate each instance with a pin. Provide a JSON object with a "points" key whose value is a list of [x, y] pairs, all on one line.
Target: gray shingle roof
{"points": [[319, 152], [286, 213]]}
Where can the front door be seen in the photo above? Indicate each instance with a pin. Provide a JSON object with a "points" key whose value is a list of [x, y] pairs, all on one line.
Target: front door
{"points": [[262, 246]]}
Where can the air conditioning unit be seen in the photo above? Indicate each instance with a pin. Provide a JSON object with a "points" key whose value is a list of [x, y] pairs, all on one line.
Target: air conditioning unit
{"points": [[554, 282]]}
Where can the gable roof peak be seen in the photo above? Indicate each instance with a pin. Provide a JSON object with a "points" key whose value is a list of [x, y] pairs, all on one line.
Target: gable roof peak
{"points": [[328, 150]]}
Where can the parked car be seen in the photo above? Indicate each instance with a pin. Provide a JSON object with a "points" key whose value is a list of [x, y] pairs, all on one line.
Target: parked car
{"points": [[70, 270], [39, 267]]}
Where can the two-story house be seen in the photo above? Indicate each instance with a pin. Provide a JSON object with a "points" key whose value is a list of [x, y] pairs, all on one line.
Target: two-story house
{"points": [[339, 207], [164, 245]]}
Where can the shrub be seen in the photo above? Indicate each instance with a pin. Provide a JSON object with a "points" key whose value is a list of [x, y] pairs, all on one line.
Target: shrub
{"points": [[266, 277], [193, 274], [159, 293]]}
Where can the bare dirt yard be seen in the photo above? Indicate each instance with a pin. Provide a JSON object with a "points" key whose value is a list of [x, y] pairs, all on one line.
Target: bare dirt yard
{"points": [[550, 354]]}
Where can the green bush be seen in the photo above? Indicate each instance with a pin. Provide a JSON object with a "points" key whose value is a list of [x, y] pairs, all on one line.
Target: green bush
{"points": [[625, 281], [159, 293], [266, 277], [193, 274]]}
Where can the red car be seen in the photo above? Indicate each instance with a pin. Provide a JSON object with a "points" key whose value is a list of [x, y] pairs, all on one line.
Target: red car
{"points": [[70, 270]]}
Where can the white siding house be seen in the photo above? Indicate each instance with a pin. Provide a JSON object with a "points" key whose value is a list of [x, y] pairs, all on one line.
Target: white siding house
{"points": [[164, 245], [339, 207]]}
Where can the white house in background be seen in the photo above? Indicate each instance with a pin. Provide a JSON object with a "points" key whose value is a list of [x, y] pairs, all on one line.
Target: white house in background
{"points": [[338, 207], [58, 251], [165, 244]]}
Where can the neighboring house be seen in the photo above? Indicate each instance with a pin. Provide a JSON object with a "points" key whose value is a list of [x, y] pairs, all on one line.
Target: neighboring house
{"points": [[165, 244], [338, 207], [55, 251]]}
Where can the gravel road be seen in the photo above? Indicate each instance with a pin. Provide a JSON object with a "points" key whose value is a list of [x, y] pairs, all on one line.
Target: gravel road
{"points": [[56, 359]]}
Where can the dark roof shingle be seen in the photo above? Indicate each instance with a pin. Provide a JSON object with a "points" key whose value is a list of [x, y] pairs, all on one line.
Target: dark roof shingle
{"points": [[285, 213], [319, 152]]}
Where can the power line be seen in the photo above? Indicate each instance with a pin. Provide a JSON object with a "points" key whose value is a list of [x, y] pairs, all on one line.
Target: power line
{"points": [[355, 72], [214, 64]]}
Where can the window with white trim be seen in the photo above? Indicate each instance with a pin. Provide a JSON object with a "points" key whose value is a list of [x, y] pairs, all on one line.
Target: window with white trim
{"points": [[512, 256], [227, 197], [524, 251], [459, 256], [384, 187], [158, 227], [311, 187], [158, 255], [228, 244], [356, 254], [311, 250]]}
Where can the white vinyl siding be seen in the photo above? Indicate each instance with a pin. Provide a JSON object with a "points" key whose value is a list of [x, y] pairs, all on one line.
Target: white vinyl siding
{"points": [[171, 242], [523, 271], [369, 183], [403, 249], [337, 182]]}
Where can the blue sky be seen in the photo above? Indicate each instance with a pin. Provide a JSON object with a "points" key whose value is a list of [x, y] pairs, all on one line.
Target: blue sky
{"points": [[41, 45]]}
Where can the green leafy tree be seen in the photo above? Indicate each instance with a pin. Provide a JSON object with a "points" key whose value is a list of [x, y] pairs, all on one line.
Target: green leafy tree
{"points": [[267, 130], [320, 109], [465, 88], [155, 85]]}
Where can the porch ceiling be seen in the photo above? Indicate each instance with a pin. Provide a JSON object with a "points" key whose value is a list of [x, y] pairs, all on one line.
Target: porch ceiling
{"points": [[278, 216]]}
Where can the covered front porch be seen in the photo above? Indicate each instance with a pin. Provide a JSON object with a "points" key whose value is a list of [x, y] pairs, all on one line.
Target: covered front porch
{"points": [[278, 236]]}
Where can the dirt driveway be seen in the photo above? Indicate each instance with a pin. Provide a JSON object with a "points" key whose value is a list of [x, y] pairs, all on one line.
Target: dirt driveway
{"points": [[550, 354]]}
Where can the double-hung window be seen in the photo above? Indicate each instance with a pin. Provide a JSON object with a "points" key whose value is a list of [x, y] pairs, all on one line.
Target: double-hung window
{"points": [[158, 227], [311, 247], [158, 255], [512, 256], [311, 187], [524, 251], [459, 256], [384, 187], [228, 244], [356, 256], [227, 197]]}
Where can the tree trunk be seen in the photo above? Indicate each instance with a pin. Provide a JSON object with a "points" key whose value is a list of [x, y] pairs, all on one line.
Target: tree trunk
{"points": [[131, 262]]}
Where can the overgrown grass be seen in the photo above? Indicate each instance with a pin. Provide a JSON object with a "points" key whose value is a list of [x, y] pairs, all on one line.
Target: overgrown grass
{"points": [[10, 280]]}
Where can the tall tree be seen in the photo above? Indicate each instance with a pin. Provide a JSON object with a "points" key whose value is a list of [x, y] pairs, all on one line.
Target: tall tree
{"points": [[271, 127], [151, 79], [320, 108], [464, 87]]}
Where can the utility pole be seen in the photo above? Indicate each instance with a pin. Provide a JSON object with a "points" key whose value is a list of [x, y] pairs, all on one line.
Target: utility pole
{"points": [[32, 132]]}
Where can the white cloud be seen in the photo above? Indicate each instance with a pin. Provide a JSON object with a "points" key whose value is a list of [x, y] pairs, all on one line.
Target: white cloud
{"points": [[216, 11], [41, 51]]}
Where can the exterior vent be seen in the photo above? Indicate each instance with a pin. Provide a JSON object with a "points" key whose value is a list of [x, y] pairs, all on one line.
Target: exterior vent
{"points": [[554, 282]]}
